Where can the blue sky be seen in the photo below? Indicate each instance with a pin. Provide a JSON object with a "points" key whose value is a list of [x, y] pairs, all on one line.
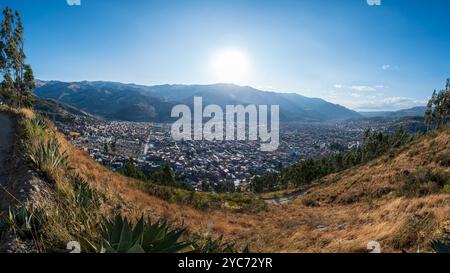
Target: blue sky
{"points": [[365, 57]]}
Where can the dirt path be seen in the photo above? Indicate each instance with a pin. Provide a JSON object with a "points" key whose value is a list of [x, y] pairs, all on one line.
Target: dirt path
{"points": [[6, 139], [286, 199]]}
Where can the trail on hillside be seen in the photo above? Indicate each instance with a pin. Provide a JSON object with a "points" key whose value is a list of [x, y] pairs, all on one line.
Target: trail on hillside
{"points": [[281, 200], [6, 140]]}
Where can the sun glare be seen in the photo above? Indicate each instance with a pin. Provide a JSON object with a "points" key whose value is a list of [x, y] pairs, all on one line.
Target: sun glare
{"points": [[230, 66]]}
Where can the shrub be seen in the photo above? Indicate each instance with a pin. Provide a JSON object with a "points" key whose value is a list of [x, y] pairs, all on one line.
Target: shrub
{"points": [[446, 188], [309, 202], [444, 160], [422, 182]]}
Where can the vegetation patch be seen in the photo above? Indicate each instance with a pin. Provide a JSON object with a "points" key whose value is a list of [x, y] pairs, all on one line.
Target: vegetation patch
{"points": [[165, 186], [238, 202], [308, 171], [70, 210], [443, 159], [412, 232], [422, 182], [23, 222], [309, 202]]}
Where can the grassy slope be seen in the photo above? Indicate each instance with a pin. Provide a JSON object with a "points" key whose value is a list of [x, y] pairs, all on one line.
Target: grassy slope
{"points": [[350, 209]]}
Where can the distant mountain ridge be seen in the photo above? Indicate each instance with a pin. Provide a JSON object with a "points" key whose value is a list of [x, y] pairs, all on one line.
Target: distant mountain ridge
{"points": [[131, 102], [418, 111]]}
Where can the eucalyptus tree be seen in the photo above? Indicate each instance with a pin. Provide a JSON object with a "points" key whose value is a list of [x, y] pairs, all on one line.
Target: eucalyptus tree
{"points": [[18, 81]]}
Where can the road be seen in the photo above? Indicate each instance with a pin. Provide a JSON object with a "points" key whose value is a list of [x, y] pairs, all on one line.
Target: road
{"points": [[6, 139]]}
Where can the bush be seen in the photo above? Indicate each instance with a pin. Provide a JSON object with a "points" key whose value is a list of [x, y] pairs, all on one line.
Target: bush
{"points": [[444, 160], [422, 182], [309, 202]]}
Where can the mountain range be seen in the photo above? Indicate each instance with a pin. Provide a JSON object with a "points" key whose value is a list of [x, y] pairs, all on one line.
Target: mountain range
{"points": [[131, 102]]}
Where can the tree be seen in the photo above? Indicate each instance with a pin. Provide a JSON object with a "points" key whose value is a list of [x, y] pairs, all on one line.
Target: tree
{"points": [[113, 146], [226, 186], [429, 118], [438, 108], [18, 79], [130, 170], [167, 177]]}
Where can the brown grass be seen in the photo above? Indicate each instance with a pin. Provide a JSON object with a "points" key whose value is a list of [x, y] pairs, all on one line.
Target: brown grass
{"points": [[351, 209], [354, 209]]}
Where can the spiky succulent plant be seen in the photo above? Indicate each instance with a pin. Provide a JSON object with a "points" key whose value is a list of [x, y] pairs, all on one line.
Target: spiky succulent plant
{"points": [[120, 236], [442, 246]]}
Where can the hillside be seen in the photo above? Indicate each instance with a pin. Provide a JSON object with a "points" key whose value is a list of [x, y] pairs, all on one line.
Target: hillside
{"points": [[58, 110], [351, 208], [132, 102], [342, 214]]}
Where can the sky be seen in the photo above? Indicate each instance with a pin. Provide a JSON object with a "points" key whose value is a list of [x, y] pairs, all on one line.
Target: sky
{"points": [[365, 57]]}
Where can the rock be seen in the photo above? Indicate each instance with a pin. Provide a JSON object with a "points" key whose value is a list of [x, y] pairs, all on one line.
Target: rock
{"points": [[322, 228]]}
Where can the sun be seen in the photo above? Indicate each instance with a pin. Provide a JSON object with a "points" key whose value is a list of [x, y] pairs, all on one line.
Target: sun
{"points": [[230, 66]]}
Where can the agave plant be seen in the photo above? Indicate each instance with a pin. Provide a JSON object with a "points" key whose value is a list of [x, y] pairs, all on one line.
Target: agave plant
{"points": [[39, 122], [441, 246], [84, 195], [120, 236], [22, 221], [48, 158]]}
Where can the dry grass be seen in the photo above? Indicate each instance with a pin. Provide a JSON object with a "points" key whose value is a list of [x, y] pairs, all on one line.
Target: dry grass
{"points": [[351, 209], [356, 207]]}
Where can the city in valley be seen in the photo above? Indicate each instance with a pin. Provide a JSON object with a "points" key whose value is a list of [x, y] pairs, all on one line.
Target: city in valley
{"points": [[150, 146]]}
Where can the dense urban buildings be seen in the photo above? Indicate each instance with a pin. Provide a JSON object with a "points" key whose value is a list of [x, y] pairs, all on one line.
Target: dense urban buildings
{"points": [[112, 143]]}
